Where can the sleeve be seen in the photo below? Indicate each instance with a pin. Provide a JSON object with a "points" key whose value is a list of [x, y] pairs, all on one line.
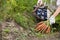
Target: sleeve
{"points": [[58, 2]]}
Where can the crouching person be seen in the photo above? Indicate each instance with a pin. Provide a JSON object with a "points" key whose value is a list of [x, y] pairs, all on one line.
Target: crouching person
{"points": [[40, 11]]}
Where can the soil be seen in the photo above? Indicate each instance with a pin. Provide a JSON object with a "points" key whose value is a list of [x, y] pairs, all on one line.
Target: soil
{"points": [[13, 31]]}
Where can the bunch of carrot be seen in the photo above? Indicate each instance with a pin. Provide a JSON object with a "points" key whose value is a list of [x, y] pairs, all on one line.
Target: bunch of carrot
{"points": [[42, 27]]}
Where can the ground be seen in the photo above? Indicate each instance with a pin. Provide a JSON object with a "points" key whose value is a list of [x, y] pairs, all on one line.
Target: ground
{"points": [[13, 31]]}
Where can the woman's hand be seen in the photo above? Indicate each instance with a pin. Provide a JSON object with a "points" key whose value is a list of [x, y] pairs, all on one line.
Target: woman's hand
{"points": [[52, 20]]}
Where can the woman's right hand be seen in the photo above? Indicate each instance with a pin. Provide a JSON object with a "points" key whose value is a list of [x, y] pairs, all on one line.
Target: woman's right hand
{"points": [[52, 20]]}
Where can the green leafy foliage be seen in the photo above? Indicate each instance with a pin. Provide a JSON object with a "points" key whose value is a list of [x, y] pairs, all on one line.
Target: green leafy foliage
{"points": [[20, 11]]}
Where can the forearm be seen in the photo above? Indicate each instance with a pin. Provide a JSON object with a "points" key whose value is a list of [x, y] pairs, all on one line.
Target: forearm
{"points": [[35, 8], [56, 12]]}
